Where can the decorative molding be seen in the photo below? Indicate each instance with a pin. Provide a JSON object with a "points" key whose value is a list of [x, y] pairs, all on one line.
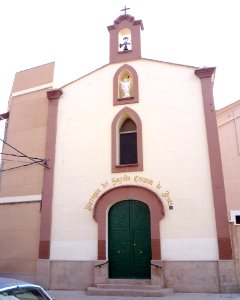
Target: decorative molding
{"points": [[4, 116], [226, 118], [205, 72], [54, 94], [16, 199], [127, 17], [34, 89]]}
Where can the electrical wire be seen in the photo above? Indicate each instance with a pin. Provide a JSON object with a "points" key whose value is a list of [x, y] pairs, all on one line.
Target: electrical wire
{"points": [[20, 155], [35, 160], [20, 161], [17, 167]]}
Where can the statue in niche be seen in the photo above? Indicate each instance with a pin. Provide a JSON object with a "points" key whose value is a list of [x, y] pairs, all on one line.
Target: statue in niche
{"points": [[125, 44], [125, 86]]}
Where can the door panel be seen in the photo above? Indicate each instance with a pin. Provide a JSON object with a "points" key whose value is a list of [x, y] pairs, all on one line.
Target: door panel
{"points": [[120, 254], [119, 235], [129, 240], [141, 254]]}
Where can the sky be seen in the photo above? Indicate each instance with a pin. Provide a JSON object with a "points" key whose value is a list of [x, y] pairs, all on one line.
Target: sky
{"points": [[70, 32]]}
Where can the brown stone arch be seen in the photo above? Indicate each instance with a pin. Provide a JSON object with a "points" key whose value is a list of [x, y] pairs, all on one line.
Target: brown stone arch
{"points": [[120, 116], [135, 98], [117, 194]]}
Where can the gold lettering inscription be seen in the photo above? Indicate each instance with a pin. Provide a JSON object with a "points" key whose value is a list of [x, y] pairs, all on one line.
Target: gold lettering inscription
{"points": [[143, 179], [105, 185], [167, 198], [95, 194], [88, 206], [116, 180], [122, 179], [91, 200]]}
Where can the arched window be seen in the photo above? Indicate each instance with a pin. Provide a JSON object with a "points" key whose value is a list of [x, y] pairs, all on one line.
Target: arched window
{"points": [[127, 153], [124, 40], [125, 86], [128, 143]]}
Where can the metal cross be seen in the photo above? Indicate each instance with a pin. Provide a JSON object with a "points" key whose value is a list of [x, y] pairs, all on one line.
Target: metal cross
{"points": [[125, 9]]}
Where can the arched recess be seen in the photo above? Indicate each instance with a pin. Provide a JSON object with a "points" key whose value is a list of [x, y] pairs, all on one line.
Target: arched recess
{"points": [[118, 194], [117, 100], [125, 40], [120, 117]]}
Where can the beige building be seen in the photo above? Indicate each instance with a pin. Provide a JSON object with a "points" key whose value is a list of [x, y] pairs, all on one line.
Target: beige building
{"points": [[123, 178], [22, 171], [228, 121]]}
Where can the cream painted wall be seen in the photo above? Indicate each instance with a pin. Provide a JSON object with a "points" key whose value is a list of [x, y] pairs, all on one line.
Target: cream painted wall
{"points": [[175, 156]]}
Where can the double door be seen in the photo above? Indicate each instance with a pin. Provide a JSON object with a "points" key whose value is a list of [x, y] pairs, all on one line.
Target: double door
{"points": [[129, 240]]}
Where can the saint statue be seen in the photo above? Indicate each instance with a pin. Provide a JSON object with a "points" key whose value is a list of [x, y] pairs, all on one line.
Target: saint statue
{"points": [[125, 44], [125, 85]]}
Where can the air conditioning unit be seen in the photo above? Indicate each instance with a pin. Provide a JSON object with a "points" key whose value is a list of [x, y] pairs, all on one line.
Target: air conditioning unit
{"points": [[235, 217]]}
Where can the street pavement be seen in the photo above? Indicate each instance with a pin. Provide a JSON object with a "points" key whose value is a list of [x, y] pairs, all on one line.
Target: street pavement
{"points": [[80, 295]]}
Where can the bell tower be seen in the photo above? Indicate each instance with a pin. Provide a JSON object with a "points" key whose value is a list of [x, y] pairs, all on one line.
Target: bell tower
{"points": [[125, 41]]}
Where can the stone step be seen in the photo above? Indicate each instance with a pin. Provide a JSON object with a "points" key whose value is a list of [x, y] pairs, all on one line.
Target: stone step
{"points": [[130, 281], [94, 291], [128, 286]]}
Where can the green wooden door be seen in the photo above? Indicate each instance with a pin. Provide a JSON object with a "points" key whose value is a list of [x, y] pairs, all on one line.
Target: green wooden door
{"points": [[129, 240]]}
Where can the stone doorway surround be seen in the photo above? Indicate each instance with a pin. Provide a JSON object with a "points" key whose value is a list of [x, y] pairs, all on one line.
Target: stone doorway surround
{"points": [[112, 196], [100, 212]]}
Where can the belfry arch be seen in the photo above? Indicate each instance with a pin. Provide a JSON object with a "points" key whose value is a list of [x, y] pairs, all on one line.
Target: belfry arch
{"points": [[117, 194]]}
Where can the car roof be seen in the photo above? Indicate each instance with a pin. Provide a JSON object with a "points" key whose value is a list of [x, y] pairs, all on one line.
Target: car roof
{"points": [[5, 282], [8, 282]]}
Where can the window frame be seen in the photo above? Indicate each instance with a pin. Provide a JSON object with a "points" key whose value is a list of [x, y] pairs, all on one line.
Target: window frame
{"points": [[118, 120]]}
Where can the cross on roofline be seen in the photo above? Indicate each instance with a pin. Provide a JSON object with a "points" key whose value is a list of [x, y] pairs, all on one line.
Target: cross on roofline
{"points": [[125, 9]]}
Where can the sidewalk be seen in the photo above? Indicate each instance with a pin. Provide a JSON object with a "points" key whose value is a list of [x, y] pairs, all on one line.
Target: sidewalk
{"points": [[80, 295]]}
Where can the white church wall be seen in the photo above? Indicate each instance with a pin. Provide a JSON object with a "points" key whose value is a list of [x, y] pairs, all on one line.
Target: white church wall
{"points": [[175, 159]]}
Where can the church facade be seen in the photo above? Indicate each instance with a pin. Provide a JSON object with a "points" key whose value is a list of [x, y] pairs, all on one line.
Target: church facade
{"points": [[124, 178]]}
